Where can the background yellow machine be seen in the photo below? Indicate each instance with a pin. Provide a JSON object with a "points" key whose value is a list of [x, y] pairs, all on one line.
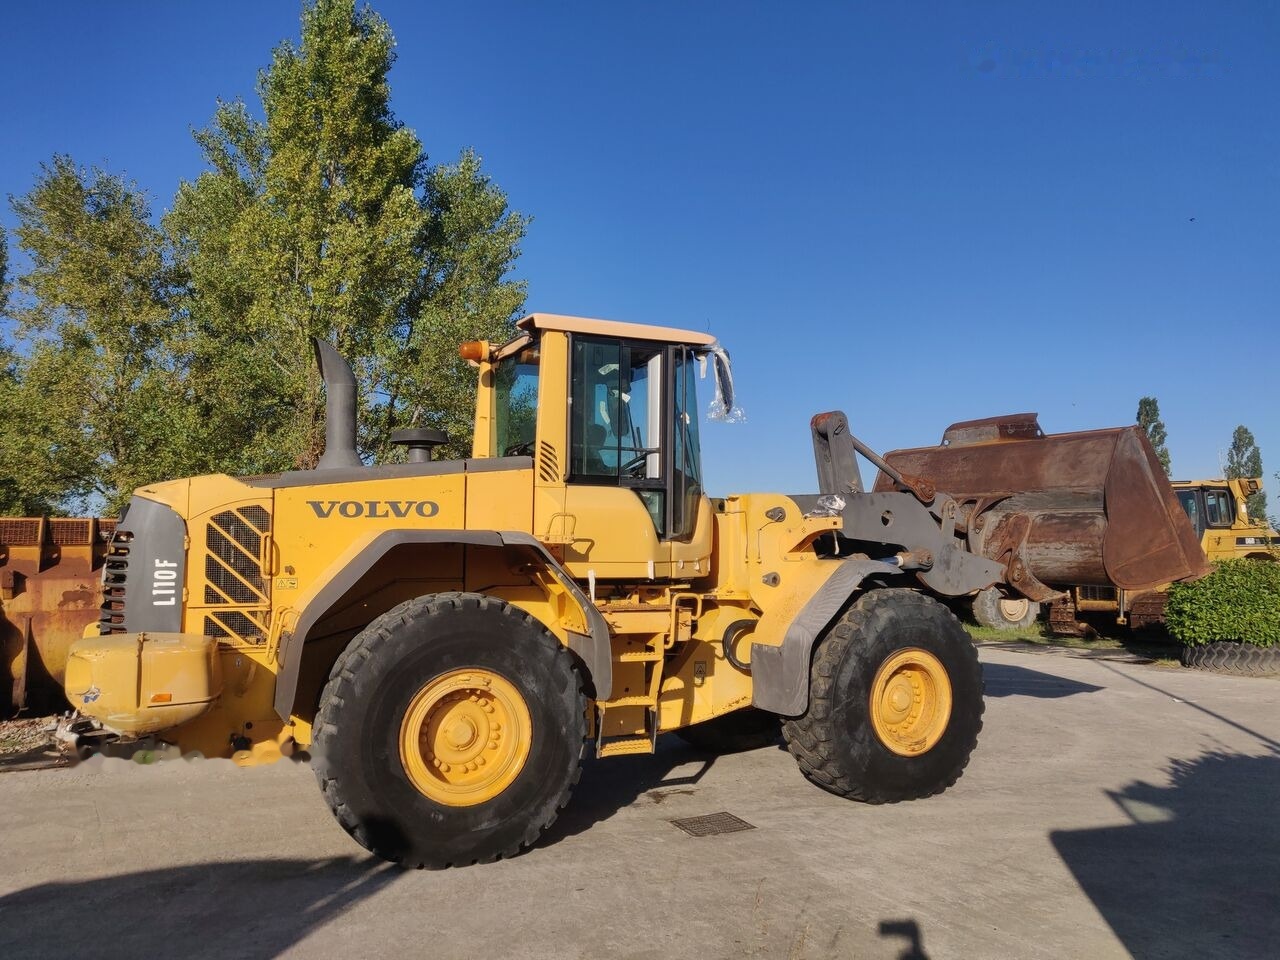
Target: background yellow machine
{"points": [[445, 638], [1218, 513]]}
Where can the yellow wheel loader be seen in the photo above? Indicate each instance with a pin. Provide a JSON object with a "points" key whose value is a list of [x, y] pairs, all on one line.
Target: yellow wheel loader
{"points": [[446, 638]]}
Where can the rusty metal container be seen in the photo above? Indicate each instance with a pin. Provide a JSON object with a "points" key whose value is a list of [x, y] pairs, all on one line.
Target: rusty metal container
{"points": [[1068, 509], [50, 590]]}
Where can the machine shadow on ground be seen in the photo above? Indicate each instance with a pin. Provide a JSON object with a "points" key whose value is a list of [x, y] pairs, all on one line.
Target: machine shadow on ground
{"points": [[256, 908], [1194, 872], [1006, 680], [608, 785]]}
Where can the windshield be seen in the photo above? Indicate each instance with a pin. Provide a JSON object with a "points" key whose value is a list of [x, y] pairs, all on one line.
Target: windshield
{"points": [[516, 402]]}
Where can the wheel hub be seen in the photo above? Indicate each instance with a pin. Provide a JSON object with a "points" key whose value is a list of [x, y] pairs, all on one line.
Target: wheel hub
{"points": [[910, 702], [1014, 610], [465, 737]]}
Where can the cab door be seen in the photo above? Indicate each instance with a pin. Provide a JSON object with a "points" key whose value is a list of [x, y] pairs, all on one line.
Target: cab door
{"points": [[616, 496]]}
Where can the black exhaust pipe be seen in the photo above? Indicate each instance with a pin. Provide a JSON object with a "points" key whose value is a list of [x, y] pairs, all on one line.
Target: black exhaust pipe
{"points": [[339, 409]]}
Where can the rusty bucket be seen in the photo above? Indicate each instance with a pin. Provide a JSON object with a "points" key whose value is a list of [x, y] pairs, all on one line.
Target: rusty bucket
{"points": [[1060, 510]]}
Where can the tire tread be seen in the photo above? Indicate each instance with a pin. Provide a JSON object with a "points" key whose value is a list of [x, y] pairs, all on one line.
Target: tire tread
{"points": [[1234, 659]]}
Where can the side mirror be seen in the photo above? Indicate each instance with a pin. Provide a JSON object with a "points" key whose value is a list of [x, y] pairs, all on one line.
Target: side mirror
{"points": [[724, 381]]}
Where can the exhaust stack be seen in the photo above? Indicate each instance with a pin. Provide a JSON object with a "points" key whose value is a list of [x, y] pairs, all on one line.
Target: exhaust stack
{"points": [[339, 409]]}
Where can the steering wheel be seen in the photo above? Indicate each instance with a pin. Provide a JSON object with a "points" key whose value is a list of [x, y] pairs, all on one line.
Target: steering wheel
{"points": [[635, 466], [522, 449]]}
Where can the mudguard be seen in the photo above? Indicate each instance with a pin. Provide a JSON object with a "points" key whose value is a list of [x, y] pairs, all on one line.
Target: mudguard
{"points": [[780, 675], [593, 648]]}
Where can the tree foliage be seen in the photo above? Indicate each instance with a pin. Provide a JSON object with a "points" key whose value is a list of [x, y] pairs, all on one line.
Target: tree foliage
{"points": [[324, 220], [93, 404], [1149, 420], [144, 351], [1244, 459]]}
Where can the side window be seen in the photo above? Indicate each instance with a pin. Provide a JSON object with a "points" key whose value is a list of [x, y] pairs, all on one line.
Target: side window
{"points": [[516, 408], [687, 461], [1188, 500], [1217, 508]]}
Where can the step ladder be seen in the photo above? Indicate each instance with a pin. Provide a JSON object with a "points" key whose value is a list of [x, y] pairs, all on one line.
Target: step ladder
{"points": [[629, 722]]}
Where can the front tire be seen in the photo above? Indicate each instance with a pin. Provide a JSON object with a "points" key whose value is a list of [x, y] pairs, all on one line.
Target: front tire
{"points": [[895, 701], [450, 732]]}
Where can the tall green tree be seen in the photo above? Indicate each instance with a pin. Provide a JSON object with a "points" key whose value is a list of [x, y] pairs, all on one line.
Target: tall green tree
{"points": [[1149, 420], [93, 407], [1244, 459], [324, 219], [18, 495]]}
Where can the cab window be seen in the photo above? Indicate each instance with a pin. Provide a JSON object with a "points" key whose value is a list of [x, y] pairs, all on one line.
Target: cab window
{"points": [[1217, 508], [1191, 505], [516, 404], [687, 460], [617, 412]]}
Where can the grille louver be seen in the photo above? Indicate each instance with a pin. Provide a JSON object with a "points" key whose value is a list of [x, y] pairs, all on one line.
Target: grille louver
{"points": [[115, 573], [548, 463], [234, 577]]}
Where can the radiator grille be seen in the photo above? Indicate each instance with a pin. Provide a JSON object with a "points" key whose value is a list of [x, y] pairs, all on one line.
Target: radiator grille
{"points": [[234, 577], [249, 626]]}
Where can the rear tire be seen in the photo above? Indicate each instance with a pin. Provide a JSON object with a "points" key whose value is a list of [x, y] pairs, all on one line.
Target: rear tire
{"points": [[1235, 659], [992, 610], [450, 732], [746, 729], [895, 701]]}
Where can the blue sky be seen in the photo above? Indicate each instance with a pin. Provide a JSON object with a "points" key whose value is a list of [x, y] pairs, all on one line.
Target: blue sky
{"points": [[918, 213]]}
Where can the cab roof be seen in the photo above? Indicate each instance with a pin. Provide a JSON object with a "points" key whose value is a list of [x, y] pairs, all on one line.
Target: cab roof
{"points": [[614, 328]]}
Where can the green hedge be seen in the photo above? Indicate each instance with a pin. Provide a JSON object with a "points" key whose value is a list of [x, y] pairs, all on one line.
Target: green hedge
{"points": [[1239, 601]]}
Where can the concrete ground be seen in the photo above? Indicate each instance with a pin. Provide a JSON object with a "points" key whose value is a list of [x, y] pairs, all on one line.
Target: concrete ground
{"points": [[1111, 810]]}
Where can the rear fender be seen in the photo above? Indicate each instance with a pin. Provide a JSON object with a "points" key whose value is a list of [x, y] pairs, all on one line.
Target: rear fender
{"points": [[593, 647]]}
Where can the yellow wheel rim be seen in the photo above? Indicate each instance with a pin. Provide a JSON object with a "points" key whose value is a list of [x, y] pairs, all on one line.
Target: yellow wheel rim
{"points": [[465, 737], [910, 702], [1014, 610]]}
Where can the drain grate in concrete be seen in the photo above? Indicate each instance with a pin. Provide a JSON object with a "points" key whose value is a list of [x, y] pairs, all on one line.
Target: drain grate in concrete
{"points": [[712, 823]]}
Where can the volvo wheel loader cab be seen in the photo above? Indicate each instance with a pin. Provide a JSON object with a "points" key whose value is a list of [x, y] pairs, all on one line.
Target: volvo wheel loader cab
{"points": [[446, 638]]}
